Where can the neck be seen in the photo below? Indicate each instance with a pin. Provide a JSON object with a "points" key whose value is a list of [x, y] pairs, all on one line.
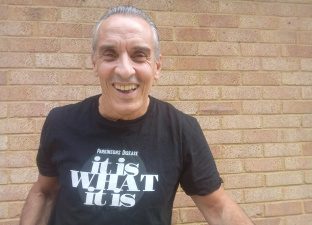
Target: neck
{"points": [[114, 115]]}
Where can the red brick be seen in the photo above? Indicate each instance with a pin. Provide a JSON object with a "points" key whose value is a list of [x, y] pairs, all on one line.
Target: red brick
{"points": [[23, 175], [79, 14], [308, 176], [58, 60], [72, 30], [202, 6], [176, 19], [3, 77], [228, 166], [308, 206], [305, 24], [220, 78], [241, 121], [180, 78], [263, 194], [297, 192], [194, 34], [4, 178], [3, 110], [262, 49], [238, 35], [297, 51], [33, 45], [32, 13], [13, 125], [297, 107], [281, 64], [223, 136], [30, 109], [295, 135], [241, 93], [3, 12], [278, 36], [264, 164], [262, 107], [175, 216], [189, 107], [191, 215], [219, 108], [23, 142], [3, 142], [14, 60], [165, 93], [4, 44], [243, 180], [165, 33], [15, 209], [75, 77], [284, 178], [282, 149], [297, 78], [232, 7], [238, 151], [12, 28], [20, 93], [218, 48], [281, 92], [17, 159], [260, 136], [280, 121], [300, 219], [304, 37], [298, 163], [32, 77], [209, 122], [307, 92], [198, 93], [276, 9], [240, 63], [268, 221], [261, 78], [191, 63], [218, 21], [178, 49], [13, 192], [307, 149], [253, 210], [258, 22], [289, 23], [306, 64]]}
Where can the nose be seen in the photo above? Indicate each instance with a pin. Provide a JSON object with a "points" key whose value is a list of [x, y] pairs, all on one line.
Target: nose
{"points": [[124, 68]]}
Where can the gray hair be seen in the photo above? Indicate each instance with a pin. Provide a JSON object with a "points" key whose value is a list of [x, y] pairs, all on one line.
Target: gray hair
{"points": [[130, 11]]}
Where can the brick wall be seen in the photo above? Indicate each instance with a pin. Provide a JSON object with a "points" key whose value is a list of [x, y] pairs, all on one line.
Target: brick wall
{"points": [[242, 68]]}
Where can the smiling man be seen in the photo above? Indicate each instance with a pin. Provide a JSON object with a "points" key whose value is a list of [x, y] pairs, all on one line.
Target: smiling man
{"points": [[118, 158]]}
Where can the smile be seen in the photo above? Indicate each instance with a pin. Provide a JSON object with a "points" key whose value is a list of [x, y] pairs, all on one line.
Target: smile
{"points": [[125, 88]]}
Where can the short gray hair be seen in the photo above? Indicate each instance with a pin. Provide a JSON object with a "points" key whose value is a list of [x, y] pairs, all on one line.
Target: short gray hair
{"points": [[130, 11]]}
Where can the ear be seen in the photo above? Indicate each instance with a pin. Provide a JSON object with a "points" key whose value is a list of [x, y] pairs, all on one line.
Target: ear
{"points": [[158, 68], [93, 60]]}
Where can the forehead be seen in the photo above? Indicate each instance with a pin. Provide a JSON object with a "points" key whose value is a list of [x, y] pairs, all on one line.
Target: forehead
{"points": [[118, 28]]}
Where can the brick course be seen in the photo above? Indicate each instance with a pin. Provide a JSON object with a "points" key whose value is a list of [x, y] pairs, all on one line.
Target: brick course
{"points": [[242, 68]]}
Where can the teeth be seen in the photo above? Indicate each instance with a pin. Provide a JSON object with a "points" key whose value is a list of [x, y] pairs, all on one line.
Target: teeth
{"points": [[125, 87]]}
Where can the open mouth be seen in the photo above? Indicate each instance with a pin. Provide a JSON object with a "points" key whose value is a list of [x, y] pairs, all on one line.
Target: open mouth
{"points": [[125, 88]]}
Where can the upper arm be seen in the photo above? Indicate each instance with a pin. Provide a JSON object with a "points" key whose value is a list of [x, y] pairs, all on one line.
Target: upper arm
{"points": [[218, 208], [212, 205], [46, 185]]}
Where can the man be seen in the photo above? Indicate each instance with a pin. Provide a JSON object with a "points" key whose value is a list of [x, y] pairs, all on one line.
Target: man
{"points": [[119, 157]]}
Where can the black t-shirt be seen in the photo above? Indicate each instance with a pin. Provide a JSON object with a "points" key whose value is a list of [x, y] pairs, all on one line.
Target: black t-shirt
{"points": [[123, 172]]}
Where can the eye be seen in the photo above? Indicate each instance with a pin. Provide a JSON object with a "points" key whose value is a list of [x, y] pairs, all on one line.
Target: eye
{"points": [[139, 57], [109, 56]]}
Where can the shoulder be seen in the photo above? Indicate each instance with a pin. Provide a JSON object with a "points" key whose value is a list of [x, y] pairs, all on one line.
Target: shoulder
{"points": [[170, 113], [71, 111]]}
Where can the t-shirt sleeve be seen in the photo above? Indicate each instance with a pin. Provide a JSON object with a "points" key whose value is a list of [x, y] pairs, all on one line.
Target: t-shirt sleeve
{"points": [[200, 175], [45, 163]]}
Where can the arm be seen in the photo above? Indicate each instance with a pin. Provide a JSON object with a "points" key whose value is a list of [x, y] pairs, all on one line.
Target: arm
{"points": [[219, 209], [39, 201]]}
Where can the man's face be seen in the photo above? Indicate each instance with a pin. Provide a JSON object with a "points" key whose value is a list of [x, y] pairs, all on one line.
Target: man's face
{"points": [[126, 65]]}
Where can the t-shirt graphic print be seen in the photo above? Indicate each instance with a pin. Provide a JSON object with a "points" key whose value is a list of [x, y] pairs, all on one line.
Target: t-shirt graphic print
{"points": [[113, 178]]}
